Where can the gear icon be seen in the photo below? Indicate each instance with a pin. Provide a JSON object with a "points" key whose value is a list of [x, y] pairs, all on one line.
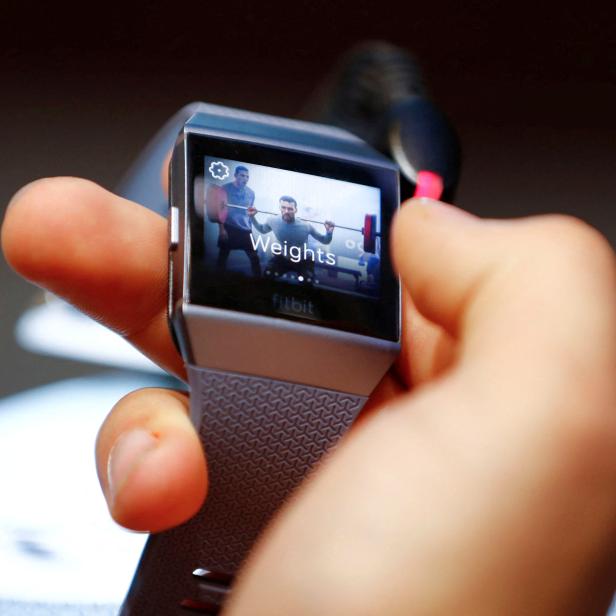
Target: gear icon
{"points": [[219, 170]]}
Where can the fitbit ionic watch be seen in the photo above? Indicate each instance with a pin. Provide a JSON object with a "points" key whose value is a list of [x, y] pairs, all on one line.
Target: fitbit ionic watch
{"points": [[285, 307]]}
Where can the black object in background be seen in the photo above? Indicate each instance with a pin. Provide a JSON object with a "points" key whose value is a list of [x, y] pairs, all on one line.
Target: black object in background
{"points": [[377, 92]]}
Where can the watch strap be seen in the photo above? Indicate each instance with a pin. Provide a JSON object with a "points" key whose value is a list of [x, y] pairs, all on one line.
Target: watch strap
{"points": [[261, 438]]}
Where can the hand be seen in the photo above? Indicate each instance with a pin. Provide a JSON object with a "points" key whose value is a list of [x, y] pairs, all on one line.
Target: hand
{"points": [[251, 211], [329, 226], [480, 479]]}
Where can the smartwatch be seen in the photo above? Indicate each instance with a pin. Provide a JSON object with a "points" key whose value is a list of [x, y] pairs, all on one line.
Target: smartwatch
{"points": [[285, 307]]}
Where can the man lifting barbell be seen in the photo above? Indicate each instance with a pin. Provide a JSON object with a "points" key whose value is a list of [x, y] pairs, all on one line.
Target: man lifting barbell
{"points": [[218, 206], [234, 232], [291, 232]]}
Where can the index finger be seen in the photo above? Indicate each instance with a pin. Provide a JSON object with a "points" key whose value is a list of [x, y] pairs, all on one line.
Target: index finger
{"points": [[102, 253]]}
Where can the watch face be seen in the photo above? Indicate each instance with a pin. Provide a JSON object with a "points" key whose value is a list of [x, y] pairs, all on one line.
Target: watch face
{"points": [[292, 235]]}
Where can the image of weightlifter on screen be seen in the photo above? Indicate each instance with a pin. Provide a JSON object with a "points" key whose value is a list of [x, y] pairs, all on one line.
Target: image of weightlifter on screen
{"points": [[235, 232], [265, 222], [291, 251]]}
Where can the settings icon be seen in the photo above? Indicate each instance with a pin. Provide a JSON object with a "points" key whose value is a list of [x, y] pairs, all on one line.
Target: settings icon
{"points": [[219, 170]]}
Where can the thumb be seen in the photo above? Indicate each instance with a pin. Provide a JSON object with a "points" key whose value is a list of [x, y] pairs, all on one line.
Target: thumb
{"points": [[505, 289], [443, 254], [150, 461]]}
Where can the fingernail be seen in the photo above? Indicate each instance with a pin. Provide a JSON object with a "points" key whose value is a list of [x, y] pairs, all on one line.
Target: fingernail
{"points": [[438, 208], [125, 456]]}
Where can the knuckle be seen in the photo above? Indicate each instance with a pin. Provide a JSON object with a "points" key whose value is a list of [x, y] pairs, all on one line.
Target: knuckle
{"points": [[578, 244]]}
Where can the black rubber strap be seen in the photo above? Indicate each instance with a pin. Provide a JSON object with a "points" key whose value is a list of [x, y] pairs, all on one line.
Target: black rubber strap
{"points": [[261, 438]]}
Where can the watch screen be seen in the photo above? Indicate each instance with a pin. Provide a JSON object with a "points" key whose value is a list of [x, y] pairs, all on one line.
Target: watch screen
{"points": [[299, 229], [292, 235]]}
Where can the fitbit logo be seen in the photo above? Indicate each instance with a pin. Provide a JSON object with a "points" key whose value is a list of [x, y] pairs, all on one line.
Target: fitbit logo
{"points": [[293, 306]]}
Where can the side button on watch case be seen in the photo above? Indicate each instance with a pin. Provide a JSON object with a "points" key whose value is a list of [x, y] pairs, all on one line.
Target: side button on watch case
{"points": [[174, 228]]}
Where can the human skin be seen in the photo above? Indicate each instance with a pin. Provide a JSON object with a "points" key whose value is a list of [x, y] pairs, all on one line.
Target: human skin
{"points": [[480, 479]]}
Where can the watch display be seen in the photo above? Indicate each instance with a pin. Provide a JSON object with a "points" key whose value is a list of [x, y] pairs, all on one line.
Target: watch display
{"points": [[292, 235], [293, 227]]}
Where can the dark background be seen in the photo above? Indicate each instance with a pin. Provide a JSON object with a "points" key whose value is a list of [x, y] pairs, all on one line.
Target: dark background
{"points": [[531, 90]]}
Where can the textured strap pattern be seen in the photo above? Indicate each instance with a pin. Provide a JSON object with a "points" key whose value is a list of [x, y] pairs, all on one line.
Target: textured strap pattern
{"points": [[261, 437]]}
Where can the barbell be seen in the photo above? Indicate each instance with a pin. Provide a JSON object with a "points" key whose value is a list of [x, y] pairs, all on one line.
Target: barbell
{"points": [[216, 207]]}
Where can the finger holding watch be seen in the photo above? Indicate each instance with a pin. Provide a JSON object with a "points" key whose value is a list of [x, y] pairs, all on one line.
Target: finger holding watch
{"points": [[490, 489], [111, 267]]}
